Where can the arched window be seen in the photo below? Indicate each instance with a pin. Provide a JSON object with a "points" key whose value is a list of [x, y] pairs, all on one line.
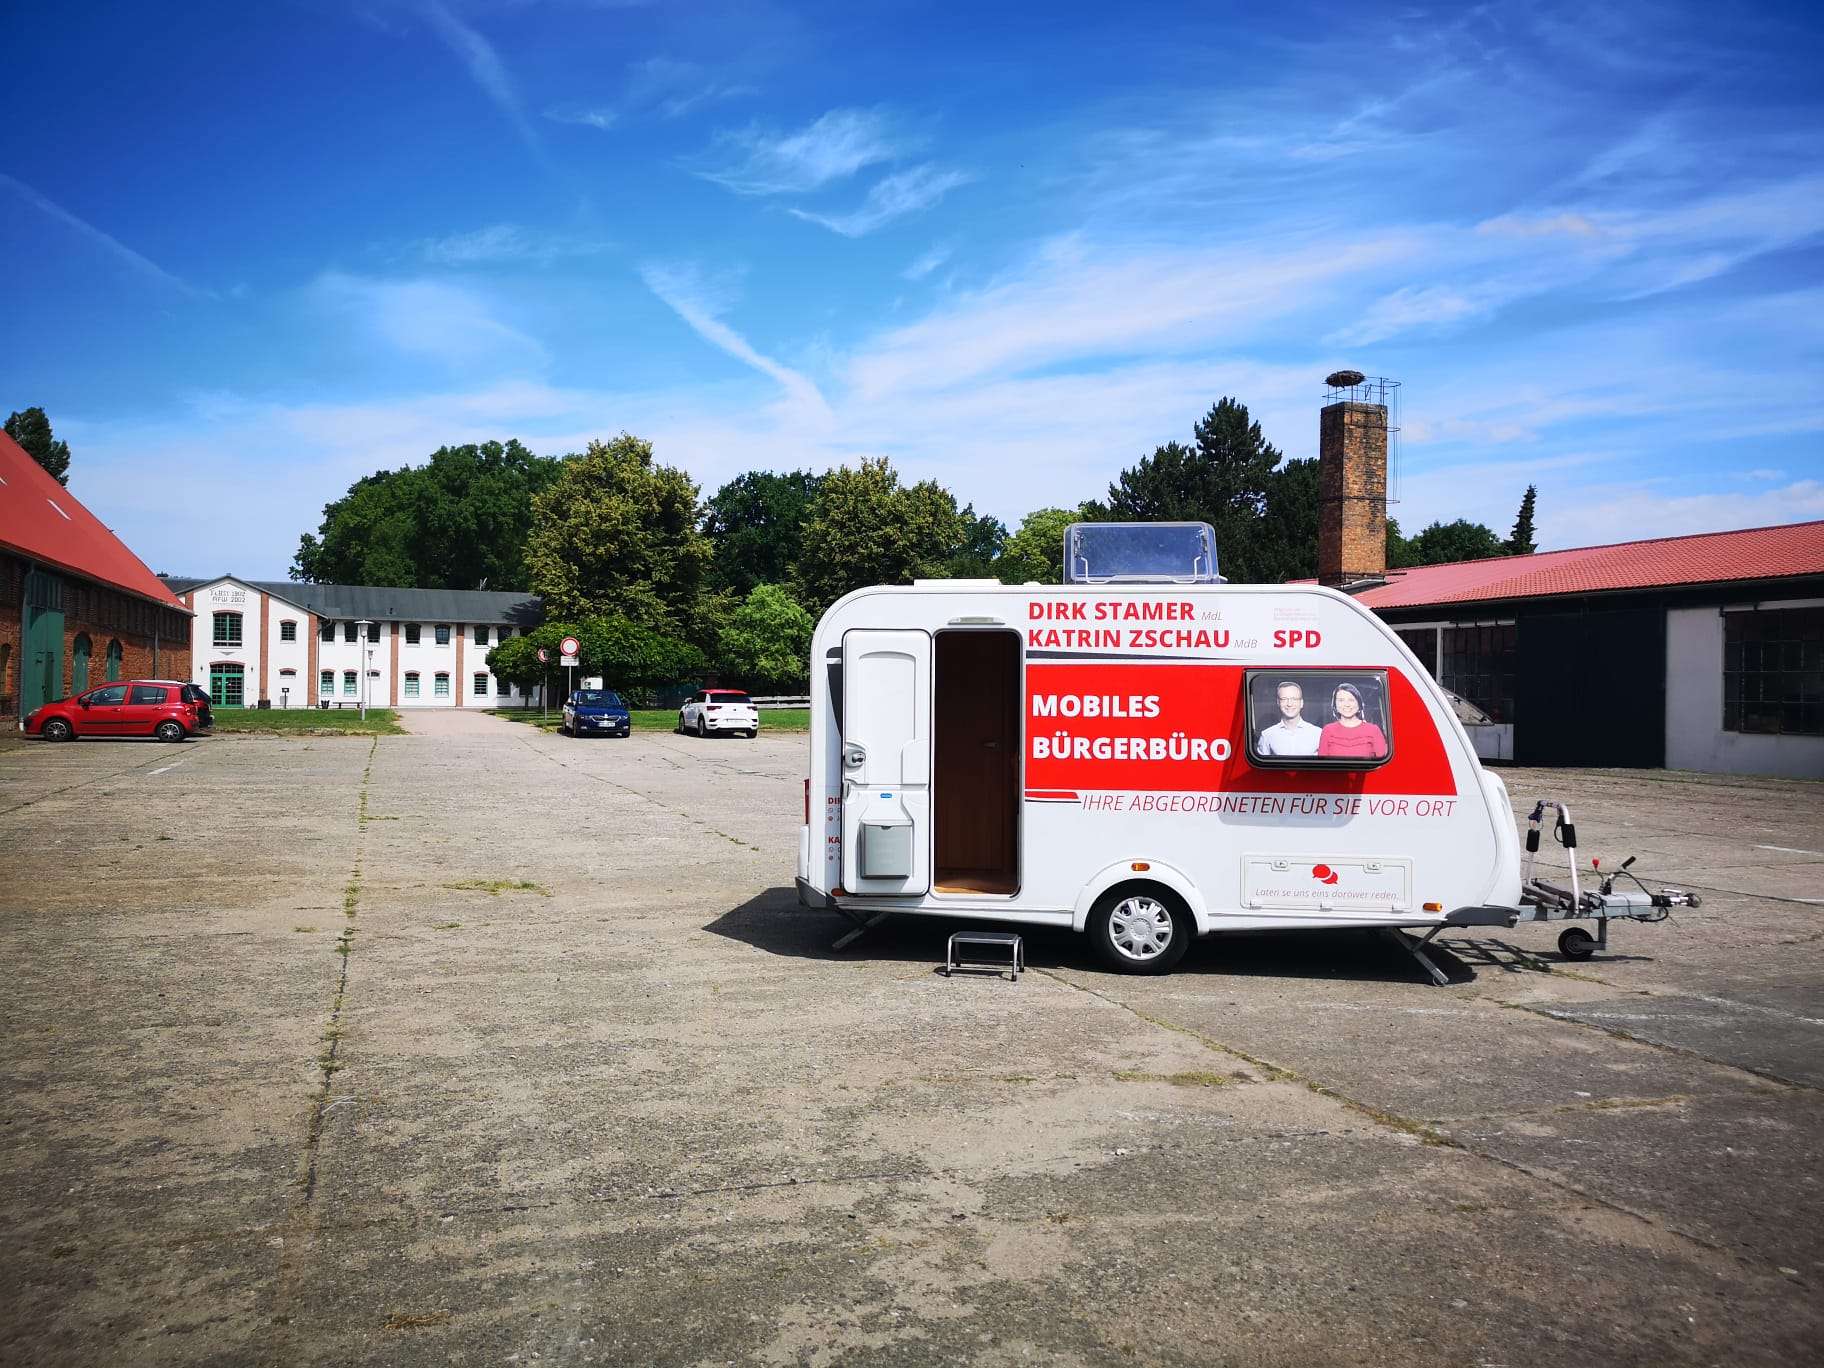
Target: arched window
{"points": [[79, 662], [227, 629], [288, 630], [114, 659]]}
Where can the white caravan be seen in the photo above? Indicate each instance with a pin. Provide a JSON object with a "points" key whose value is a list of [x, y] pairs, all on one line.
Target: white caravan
{"points": [[1146, 755]]}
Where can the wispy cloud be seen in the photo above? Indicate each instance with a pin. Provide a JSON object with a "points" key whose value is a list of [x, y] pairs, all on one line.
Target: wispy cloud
{"points": [[503, 242], [658, 87], [928, 262], [113, 246], [603, 117], [759, 161], [486, 69], [426, 319], [892, 197], [682, 288]]}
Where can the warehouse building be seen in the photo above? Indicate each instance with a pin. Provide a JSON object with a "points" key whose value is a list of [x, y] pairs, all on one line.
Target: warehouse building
{"points": [[280, 644], [76, 606], [1696, 653], [1693, 653]]}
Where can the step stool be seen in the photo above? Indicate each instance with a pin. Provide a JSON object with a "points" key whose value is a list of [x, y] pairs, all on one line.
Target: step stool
{"points": [[1002, 940]]}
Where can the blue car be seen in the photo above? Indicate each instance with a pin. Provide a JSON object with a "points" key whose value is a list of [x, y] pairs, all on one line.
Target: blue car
{"points": [[596, 712]]}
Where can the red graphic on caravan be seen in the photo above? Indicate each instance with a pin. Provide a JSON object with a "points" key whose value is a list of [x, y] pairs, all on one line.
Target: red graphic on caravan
{"points": [[1180, 728], [1323, 874]]}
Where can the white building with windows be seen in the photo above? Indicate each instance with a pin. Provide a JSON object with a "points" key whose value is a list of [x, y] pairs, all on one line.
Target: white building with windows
{"points": [[280, 644]]}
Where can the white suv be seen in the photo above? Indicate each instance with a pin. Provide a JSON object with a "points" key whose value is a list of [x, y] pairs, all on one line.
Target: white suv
{"points": [[719, 710]]}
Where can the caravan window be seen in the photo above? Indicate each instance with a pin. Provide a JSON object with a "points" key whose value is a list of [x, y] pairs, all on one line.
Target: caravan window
{"points": [[1319, 719]]}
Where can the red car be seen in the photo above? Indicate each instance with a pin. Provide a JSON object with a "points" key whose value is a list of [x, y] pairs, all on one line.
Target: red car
{"points": [[131, 707]]}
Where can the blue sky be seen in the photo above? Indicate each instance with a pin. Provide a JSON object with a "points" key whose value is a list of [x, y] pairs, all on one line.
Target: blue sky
{"points": [[252, 252]]}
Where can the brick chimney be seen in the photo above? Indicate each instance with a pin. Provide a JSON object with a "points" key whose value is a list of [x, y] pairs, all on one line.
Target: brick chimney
{"points": [[1352, 481]]}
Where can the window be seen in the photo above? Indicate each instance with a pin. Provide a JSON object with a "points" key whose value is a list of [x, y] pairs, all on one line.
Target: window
{"points": [[373, 631], [411, 633], [327, 632], [1319, 719], [111, 697], [411, 683], [227, 684], [114, 660], [481, 636], [1773, 671], [227, 629], [348, 631], [443, 685], [147, 693], [1423, 643], [1479, 667], [288, 630], [481, 686], [443, 634], [351, 683], [326, 683]]}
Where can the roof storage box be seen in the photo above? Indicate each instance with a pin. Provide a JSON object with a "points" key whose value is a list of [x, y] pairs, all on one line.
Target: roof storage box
{"points": [[1140, 553]]}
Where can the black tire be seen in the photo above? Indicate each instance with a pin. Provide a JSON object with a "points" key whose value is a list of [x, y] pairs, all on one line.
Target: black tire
{"points": [[703, 727], [57, 730], [753, 733], [170, 730], [1576, 944], [1140, 929], [679, 729]]}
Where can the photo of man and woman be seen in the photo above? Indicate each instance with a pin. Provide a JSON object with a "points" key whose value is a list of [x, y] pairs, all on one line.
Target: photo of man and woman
{"points": [[1318, 718]]}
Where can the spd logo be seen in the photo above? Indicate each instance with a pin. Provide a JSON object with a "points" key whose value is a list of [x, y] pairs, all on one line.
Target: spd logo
{"points": [[1323, 874]]}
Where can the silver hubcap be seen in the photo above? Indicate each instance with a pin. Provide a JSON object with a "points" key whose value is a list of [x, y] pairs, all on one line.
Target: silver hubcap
{"points": [[1141, 928]]}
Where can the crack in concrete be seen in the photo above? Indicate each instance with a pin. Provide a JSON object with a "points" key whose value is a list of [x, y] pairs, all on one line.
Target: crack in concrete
{"points": [[330, 1060], [1565, 1018], [84, 783], [1425, 1133]]}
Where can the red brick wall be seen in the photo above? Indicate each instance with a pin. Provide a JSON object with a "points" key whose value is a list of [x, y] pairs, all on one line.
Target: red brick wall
{"points": [[310, 685], [105, 614], [12, 593], [1352, 493]]}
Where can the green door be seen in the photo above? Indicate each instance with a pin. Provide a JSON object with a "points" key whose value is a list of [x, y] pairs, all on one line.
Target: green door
{"points": [[41, 660], [79, 664], [227, 685]]}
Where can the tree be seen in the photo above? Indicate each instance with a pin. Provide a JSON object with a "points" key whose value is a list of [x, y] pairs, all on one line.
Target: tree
{"points": [[767, 641], [866, 528], [32, 430], [1035, 553], [1521, 542], [1221, 479], [1443, 543], [616, 534], [457, 522], [625, 654], [979, 548], [1285, 542], [755, 523]]}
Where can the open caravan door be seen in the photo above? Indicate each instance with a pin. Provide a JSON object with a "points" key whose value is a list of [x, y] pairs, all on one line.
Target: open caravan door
{"points": [[886, 762]]}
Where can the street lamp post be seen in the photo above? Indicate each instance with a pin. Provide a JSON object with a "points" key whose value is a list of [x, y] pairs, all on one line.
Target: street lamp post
{"points": [[367, 647]]}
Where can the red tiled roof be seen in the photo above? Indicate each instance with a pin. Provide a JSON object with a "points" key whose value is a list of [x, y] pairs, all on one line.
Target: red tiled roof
{"points": [[1756, 553], [42, 520]]}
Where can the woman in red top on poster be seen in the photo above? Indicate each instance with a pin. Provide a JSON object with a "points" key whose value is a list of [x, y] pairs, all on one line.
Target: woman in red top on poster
{"points": [[1351, 736]]}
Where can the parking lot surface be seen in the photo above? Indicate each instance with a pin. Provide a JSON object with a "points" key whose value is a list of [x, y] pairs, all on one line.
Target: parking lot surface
{"points": [[494, 1046]]}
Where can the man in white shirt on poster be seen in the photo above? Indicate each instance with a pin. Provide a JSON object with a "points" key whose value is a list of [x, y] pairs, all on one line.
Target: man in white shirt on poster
{"points": [[1291, 735]]}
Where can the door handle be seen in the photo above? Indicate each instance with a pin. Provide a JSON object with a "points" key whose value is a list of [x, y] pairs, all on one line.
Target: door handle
{"points": [[853, 755], [991, 745]]}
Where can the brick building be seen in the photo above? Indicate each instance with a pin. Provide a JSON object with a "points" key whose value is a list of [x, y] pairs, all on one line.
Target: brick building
{"points": [[76, 606]]}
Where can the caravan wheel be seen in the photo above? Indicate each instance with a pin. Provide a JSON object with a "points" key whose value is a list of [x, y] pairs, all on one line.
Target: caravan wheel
{"points": [[1139, 930]]}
